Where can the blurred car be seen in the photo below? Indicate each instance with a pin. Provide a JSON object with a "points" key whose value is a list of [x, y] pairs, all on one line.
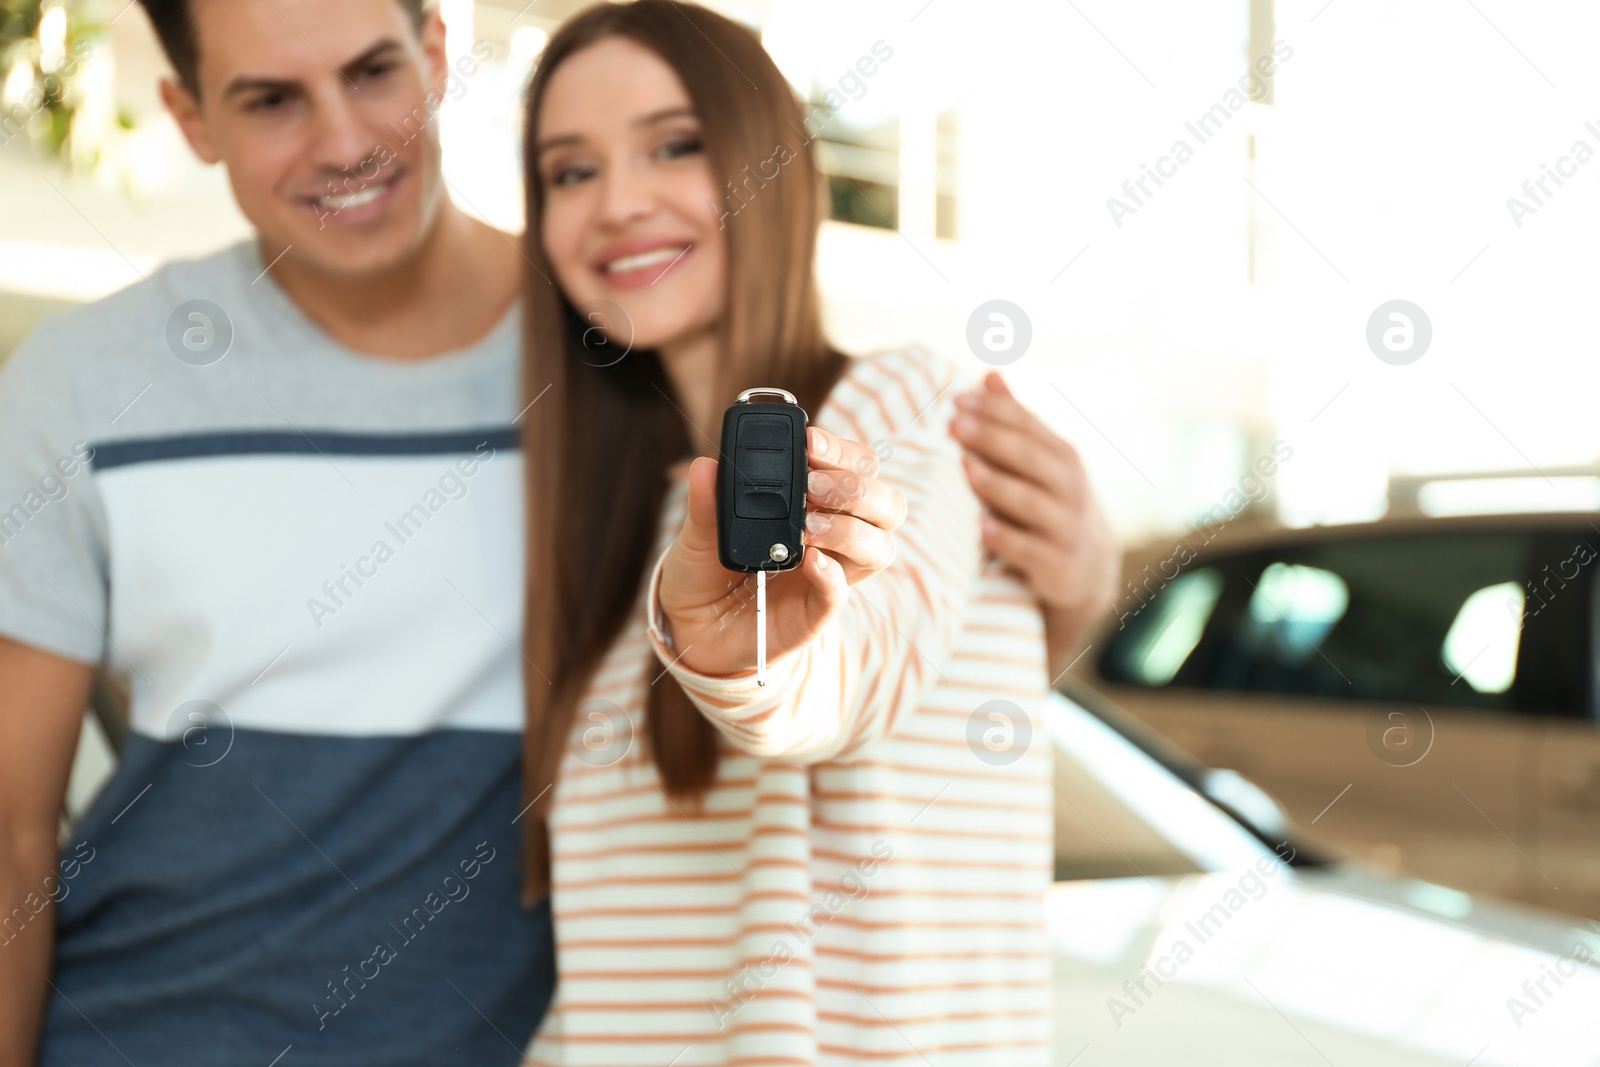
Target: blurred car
{"points": [[1420, 692], [1185, 931]]}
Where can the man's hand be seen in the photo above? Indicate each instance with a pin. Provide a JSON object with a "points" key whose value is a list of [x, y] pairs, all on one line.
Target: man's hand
{"points": [[1042, 518], [851, 517], [42, 698]]}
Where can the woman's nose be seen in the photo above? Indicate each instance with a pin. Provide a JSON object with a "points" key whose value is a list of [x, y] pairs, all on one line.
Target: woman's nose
{"points": [[626, 194]]}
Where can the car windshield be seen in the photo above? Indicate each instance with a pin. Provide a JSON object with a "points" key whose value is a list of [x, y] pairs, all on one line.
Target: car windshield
{"points": [[1121, 814]]}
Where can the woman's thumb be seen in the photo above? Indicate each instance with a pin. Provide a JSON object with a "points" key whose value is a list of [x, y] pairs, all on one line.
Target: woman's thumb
{"points": [[700, 520]]}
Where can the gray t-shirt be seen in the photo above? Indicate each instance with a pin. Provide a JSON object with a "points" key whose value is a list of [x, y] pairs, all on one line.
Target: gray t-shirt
{"points": [[306, 565]]}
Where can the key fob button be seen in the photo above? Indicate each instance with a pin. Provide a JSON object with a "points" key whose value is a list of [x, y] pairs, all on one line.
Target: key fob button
{"points": [[763, 466]]}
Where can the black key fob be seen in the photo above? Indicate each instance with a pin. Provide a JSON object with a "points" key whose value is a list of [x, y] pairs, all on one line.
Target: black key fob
{"points": [[761, 483]]}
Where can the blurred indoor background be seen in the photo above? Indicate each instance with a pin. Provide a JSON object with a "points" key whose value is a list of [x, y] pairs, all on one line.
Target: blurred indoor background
{"points": [[1173, 342]]}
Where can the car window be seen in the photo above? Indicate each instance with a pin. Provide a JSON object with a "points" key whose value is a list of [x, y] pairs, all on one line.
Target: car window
{"points": [[1481, 645], [1166, 630], [1418, 619]]}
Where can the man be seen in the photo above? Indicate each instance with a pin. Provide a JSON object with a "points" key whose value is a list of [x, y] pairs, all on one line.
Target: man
{"points": [[278, 491]]}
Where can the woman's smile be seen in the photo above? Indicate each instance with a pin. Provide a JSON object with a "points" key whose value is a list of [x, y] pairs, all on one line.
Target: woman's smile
{"points": [[640, 261]]}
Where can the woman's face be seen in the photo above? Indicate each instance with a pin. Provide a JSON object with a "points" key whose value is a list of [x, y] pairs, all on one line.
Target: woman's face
{"points": [[631, 210]]}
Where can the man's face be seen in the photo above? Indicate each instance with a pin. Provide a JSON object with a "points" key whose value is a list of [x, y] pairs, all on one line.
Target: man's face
{"points": [[319, 109]]}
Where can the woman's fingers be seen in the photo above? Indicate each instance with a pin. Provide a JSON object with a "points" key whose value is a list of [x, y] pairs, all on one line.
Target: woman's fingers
{"points": [[860, 547], [829, 451], [868, 499], [830, 587], [850, 513]]}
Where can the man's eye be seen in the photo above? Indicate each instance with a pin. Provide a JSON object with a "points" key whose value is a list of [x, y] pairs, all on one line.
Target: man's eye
{"points": [[377, 71], [269, 102]]}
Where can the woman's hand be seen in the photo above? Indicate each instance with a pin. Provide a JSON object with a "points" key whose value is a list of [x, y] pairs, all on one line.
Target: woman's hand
{"points": [[1042, 518], [851, 517]]}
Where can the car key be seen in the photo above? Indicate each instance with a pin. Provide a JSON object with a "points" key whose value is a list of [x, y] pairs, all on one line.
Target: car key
{"points": [[761, 494]]}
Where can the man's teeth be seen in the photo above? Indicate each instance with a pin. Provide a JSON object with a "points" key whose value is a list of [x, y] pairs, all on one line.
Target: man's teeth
{"points": [[360, 199], [645, 259]]}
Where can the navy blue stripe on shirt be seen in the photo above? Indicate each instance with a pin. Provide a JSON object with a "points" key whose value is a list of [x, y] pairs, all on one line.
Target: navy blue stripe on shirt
{"points": [[291, 442]]}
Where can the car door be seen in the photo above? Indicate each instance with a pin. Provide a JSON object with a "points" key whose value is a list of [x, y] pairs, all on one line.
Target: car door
{"points": [[1369, 682], [1568, 772]]}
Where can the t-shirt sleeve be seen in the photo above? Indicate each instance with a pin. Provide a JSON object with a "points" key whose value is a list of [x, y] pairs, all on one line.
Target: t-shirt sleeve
{"points": [[53, 584], [870, 669]]}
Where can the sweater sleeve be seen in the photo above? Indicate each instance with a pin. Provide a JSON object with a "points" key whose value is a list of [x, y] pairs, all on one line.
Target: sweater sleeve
{"points": [[867, 671]]}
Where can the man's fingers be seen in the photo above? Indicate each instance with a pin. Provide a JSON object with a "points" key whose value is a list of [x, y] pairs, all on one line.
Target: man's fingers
{"points": [[866, 498], [996, 401], [1005, 409], [994, 408], [995, 382], [1026, 552], [1020, 502], [1020, 453], [829, 451]]}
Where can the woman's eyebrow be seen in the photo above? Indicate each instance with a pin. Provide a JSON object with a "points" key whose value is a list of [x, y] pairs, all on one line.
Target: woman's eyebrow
{"points": [[562, 139], [664, 114], [558, 141]]}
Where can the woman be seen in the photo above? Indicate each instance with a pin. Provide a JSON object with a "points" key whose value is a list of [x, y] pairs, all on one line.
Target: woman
{"points": [[848, 863]]}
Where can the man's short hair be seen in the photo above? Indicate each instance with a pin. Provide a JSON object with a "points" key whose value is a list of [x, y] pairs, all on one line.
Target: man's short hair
{"points": [[174, 24]]}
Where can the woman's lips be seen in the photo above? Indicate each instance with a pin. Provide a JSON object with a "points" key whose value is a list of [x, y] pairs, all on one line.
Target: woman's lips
{"points": [[646, 267]]}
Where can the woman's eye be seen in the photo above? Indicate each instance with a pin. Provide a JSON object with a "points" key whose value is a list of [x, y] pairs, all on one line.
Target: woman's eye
{"points": [[686, 146], [570, 175]]}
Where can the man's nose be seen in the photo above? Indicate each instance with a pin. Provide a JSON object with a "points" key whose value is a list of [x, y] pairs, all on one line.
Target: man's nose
{"points": [[342, 140]]}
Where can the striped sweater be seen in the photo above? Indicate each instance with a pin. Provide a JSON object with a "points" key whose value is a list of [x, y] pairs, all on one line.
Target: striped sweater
{"points": [[864, 884]]}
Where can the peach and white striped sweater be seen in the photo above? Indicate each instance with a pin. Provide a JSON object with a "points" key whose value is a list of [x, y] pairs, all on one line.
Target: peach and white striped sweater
{"points": [[865, 882]]}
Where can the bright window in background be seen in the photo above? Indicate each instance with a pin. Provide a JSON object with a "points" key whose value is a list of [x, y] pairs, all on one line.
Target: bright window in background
{"points": [[1481, 646], [1406, 185], [947, 181], [1478, 496], [861, 165], [1293, 608]]}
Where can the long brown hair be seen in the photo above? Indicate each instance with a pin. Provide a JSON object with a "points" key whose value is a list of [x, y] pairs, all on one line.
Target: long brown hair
{"points": [[599, 442]]}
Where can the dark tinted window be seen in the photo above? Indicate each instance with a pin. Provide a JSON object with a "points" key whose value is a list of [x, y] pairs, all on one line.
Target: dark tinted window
{"points": [[1447, 619]]}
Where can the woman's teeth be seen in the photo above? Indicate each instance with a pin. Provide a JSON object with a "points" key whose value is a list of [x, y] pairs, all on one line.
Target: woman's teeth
{"points": [[645, 259]]}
